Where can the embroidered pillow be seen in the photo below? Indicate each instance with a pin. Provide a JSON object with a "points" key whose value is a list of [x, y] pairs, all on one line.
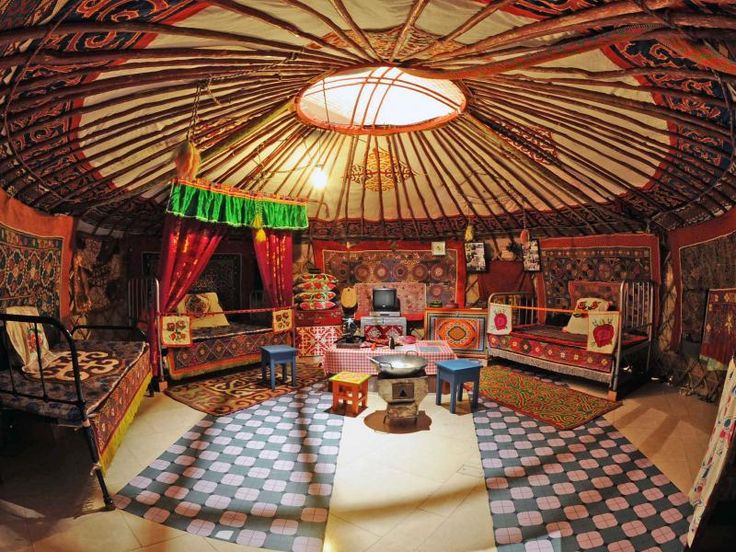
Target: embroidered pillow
{"points": [[321, 277], [315, 296], [197, 305], [28, 339], [317, 285], [316, 305], [578, 323]]}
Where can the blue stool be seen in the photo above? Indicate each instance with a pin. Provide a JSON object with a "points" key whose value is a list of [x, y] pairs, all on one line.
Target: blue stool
{"points": [[457, 372], [274, 355]]}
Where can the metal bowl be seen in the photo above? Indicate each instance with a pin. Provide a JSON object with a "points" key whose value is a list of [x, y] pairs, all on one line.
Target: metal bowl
{"points": [[400, 366]]}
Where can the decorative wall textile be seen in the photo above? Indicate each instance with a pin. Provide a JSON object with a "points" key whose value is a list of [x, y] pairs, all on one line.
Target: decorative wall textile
{"points": [[534, 142], [500, 318], [282, 320], [382, 262], [503, 276], [603, 328], [608, 291], [186, 248], [719, 332], [98, 282], [604, 258], [312, 341], [719, 455], [209, 202], [35, 258], [274, 256], [412, 296], [702, 259], [464, 330], [223, 275], [381, 172]]}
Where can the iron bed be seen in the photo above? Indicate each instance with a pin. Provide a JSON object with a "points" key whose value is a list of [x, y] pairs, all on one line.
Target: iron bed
{"points": [[544, 345]]}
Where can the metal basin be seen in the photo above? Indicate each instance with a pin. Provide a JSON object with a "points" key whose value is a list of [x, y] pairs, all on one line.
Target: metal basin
{"points": [[400, 366]]}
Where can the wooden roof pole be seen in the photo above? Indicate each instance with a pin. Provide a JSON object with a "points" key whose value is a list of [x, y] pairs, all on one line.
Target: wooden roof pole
{"points": [[414, 13], [222, 146], [362, 37]]}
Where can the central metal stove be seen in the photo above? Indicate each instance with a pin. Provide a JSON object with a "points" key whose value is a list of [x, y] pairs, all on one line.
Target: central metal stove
{"points": [[402, 383]]}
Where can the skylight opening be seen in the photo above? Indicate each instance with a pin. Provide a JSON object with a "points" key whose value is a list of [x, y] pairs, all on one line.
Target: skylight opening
{"points": [[379, 100]]}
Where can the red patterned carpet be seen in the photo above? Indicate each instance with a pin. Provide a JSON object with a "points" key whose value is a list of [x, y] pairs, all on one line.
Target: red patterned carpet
{"points": [[231, 392], [557, 405]]}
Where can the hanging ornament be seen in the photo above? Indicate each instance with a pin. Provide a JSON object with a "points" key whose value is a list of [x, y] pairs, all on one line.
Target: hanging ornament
{"points": [[524, 237], [469, 233], [258, 224], [187, 161]]}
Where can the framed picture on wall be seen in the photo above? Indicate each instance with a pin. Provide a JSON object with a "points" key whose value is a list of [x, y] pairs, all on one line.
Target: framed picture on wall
{"points": [[530, 256], [438, 248], [475, 257]]}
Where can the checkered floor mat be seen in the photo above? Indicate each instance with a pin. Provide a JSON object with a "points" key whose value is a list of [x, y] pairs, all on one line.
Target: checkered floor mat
{"points": [[261, 477], [583, 489]]}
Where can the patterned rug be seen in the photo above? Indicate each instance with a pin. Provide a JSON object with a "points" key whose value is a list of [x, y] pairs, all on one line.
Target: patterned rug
{"points": [[543, 400], [261, 478], [229, 393], [587, 489]]}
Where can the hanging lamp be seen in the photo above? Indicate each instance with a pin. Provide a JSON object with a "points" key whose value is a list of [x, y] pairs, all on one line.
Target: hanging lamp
{"points": [[187, 158]]}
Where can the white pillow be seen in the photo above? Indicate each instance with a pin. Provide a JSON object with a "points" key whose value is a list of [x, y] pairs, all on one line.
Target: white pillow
{"points": [[578, 323]]}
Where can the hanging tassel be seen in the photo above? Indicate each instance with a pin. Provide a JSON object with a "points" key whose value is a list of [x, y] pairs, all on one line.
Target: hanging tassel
{"points": [[258, 225], [187, 161], [469, 233], [524, 237]]}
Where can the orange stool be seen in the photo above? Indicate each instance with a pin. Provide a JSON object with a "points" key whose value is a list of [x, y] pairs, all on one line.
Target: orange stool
{"points": [[350, 387]]}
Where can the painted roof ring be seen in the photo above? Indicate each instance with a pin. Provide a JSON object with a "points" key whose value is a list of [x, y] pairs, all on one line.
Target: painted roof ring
{"points": [[379, 100]]}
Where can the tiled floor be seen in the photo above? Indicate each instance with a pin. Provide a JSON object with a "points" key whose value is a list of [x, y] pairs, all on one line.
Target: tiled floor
{"points": [[421, 491]]}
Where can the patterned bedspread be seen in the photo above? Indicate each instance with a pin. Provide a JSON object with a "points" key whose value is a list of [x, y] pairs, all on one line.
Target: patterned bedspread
{"points": [[234, 328], [103, 366], [551, 344]]}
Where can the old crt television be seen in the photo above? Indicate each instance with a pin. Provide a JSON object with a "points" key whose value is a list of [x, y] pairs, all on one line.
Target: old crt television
{"points": [[385, 300]]}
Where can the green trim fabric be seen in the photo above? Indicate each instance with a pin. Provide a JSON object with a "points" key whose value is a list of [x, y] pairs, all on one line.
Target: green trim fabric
{"points": [[210, 205]]}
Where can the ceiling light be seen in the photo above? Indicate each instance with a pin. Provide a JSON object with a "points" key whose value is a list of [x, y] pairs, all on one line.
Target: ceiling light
{"points": [[319, 178]]}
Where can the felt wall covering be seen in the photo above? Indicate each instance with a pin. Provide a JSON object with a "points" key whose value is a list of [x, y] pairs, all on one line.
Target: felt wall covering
{"points": [[378, 262], [35, 258]]}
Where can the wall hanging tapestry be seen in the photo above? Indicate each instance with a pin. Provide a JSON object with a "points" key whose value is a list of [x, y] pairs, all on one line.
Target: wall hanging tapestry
{"points": [[269, 486], [702, 259], [312, 341], [605, 258], [464, 330], [35, 258], [412, 296], [223, 275], [719, 331], [381, 262]]}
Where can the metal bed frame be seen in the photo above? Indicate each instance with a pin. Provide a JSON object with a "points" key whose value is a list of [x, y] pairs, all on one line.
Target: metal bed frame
{"points": [[79, 402], [636, 305]]}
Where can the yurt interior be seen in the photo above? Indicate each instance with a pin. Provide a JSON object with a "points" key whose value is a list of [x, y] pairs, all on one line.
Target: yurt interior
{"points": [[367, 275]]}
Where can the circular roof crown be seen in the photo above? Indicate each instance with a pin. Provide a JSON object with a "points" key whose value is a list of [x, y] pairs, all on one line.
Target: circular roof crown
{"points": [[379, 100]]}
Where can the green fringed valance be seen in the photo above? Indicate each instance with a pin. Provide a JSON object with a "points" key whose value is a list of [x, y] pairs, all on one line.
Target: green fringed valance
{"points": [[214, 203]]}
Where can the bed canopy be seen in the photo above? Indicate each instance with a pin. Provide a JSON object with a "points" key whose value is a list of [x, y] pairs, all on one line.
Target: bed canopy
{"points": [[395, 119]]}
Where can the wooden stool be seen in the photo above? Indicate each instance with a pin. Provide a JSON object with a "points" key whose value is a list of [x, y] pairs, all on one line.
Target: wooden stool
{"points": [[274, 355], [350, 387], [457, 372]]}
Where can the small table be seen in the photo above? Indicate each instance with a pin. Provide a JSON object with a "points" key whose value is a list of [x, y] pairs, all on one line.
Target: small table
{"points": [[272, 355], [359, 359], [352, 387]]}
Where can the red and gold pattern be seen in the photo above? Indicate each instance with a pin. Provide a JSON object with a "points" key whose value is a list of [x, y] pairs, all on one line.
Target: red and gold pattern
{"points": [[282, 320], [312, 341], [464, 330]]}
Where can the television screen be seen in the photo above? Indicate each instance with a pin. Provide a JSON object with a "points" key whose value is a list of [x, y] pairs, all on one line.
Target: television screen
{"points": [[384, 299]]}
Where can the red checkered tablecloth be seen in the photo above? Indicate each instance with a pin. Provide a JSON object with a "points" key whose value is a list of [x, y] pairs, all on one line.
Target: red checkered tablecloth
{"points": [[358, 360]]}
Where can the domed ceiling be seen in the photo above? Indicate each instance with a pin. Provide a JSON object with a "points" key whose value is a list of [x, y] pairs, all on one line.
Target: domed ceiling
{"points": [[395, 118]]}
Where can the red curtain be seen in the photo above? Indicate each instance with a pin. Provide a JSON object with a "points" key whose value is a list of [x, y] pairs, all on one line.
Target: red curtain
{"points": [[274, 256], [186, 248]]}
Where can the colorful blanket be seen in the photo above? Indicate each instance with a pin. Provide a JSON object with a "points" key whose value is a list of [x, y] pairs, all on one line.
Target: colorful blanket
{"points": [[719, 331], [464, 330]]}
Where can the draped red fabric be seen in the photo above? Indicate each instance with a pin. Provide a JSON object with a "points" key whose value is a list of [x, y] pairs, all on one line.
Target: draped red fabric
{"points": [[274, 256], [186, 248]]}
